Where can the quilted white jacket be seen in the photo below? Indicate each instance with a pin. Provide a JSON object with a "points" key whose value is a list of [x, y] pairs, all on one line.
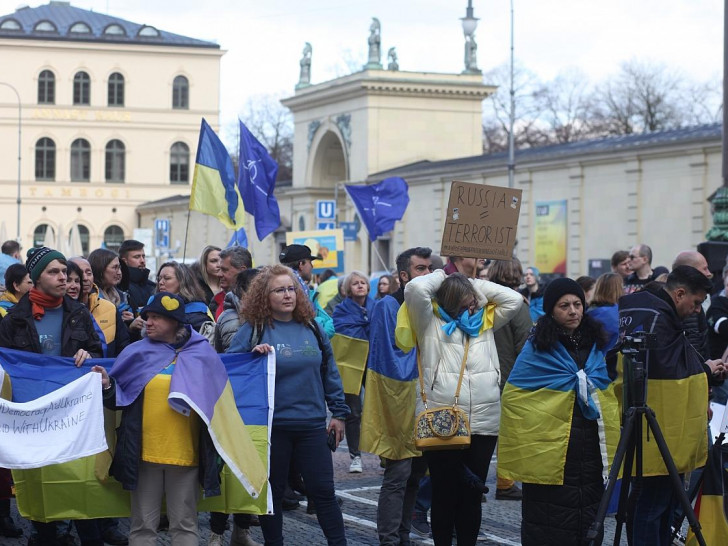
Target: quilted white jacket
{"points": [[441, 355]]}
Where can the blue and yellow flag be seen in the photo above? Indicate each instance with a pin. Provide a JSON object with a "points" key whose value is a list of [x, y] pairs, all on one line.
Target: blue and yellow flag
{"points": [[388, 413], [711, 507], [82, 488], [214, 191], [537, 405]]}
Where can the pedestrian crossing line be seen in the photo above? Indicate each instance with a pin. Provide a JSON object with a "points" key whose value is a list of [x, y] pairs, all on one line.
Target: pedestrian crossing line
{"points": [[355, 498], [346, 494]]}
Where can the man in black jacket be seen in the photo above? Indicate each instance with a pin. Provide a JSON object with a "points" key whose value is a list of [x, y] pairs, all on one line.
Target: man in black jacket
{"points": [[135, 280], [46, 321]]}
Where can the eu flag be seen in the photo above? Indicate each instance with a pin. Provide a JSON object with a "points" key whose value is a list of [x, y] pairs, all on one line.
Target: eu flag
{"points": [[257, 180], [213, 184], [380, 205], [239, 238]]}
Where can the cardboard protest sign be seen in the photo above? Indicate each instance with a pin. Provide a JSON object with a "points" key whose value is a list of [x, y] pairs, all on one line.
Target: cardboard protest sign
{"points": [[481, 221]]}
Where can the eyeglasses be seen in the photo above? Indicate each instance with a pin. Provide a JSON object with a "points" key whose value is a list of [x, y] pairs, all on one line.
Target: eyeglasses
{"points": [[633, 257], [282, 290]]}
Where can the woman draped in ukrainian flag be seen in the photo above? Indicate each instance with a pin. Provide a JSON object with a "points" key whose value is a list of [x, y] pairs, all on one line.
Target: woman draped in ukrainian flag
{"points": [[454, 319], [559, 421]]}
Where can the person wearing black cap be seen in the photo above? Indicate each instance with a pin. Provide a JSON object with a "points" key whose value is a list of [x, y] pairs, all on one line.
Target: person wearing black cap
{"points": [[46, 321], [300, 259], [559, 421]]}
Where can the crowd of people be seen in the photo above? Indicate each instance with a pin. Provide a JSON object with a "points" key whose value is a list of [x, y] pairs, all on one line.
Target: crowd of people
{"points": [[533, 364]]}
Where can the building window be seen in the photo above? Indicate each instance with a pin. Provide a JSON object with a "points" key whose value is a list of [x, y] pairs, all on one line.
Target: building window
{"points": [[81, 88], [113, 237], [80, 28], [179, 163], [10, 24], [45, 159], [45, 26], [181, 93], [85, 238], [39, 235], [80, 160], [115, 161], [46, 87], [148, 32], [116, 89], [115, 29]]}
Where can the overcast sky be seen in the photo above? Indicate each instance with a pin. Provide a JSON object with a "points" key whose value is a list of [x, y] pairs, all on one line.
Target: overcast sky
{"points": [[264, 39]]}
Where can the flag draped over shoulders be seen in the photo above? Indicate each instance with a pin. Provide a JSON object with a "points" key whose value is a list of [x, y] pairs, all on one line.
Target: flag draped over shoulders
{"points": [[711, 506], [199, 383], [537, 405], [350, 343], [388, 413]]}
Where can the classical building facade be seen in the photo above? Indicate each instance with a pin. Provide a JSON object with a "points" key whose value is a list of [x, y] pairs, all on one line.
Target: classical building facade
{"points": [[110, 119]]}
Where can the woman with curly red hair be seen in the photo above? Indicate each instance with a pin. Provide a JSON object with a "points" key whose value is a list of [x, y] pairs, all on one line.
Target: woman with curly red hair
{"points": [[278, 317]]}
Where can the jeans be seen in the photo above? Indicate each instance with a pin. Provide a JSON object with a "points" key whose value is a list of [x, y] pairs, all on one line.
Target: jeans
{"points": [[423, 502], [218, 520], [397, 498], [456, 503], [313, 459], [353, 423], [654, 505]]}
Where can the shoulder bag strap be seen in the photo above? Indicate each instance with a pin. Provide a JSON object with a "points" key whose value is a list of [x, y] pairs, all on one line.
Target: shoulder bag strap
{"points": [[460, 378]]}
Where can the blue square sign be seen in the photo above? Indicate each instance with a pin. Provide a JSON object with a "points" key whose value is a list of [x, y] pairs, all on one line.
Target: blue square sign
{"points": [[326, 209], [325, 225]]}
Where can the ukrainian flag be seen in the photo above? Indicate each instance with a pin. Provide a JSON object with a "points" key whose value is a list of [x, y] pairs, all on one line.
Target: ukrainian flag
{"points": [[537, 405], [82, 488], [350, 354], [214, 190], [712, 504], [388, 414]]}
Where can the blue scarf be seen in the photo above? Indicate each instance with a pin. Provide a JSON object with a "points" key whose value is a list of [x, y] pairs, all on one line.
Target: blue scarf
{"points": [[470, 324]]}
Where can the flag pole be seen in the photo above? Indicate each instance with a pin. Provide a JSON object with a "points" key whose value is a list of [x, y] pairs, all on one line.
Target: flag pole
{"points": [[187, 230], [381, 261]]}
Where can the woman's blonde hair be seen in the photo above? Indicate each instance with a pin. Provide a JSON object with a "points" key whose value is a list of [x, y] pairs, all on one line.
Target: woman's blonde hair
{"points": [[189, 288], [608, 289], [203, 262], [256, 303], [350, 280]]}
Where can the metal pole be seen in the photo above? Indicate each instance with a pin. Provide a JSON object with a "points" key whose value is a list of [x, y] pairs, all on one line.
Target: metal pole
{"points": [[511, 143], [20, 118], [725, 92]]}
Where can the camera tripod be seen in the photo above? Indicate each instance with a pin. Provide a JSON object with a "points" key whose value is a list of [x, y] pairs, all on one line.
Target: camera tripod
{"points": [[629, 448]]}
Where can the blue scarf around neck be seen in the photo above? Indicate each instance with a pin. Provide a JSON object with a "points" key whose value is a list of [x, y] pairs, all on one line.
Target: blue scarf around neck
{"points": [[469, 324]]}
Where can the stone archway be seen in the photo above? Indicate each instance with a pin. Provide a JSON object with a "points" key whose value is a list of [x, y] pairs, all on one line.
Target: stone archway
{"points": [[329, 164]]}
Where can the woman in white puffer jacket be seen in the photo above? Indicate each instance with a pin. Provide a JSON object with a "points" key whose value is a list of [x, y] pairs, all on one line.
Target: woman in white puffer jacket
{"points": [[443, 311]]}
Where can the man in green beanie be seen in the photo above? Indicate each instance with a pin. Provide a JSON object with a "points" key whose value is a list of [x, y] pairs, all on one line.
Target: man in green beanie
{"points": [[45, 321]]}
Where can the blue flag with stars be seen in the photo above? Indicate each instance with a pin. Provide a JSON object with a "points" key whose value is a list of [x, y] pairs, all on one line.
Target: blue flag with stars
{"points": [[380, 205], [256, 181]]}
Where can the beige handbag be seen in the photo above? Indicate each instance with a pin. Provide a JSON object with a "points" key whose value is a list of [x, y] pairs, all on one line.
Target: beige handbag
{"points": [[444, 427]]}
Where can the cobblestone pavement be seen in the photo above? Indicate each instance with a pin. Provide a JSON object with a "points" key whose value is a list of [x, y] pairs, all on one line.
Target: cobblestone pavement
{"points": [[500, 523]]}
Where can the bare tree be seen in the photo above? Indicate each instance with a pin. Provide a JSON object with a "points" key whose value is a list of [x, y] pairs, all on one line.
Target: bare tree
{"points": [[643, 97], [564, 106], [496, 125]]}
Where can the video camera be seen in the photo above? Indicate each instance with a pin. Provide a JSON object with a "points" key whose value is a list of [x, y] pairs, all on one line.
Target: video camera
{"points": [[637, 341]]}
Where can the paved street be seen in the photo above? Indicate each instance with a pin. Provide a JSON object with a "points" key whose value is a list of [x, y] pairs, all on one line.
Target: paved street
{"points": [[500, 522]]}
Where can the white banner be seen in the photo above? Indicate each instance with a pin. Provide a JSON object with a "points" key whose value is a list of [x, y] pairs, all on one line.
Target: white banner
{"points": [[61, 426]]}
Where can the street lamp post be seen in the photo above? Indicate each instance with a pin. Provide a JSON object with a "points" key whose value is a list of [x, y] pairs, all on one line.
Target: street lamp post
{"points": [[512, 119], [470, 23], [20, 125]]}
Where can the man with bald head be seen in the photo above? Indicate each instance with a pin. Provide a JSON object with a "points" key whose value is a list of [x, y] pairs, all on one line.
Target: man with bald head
{"points": [[696, 325]]}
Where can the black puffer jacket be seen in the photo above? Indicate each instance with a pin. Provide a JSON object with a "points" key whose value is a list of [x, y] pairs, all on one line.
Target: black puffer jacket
{"points": [[560, 515], [18, 331]]}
